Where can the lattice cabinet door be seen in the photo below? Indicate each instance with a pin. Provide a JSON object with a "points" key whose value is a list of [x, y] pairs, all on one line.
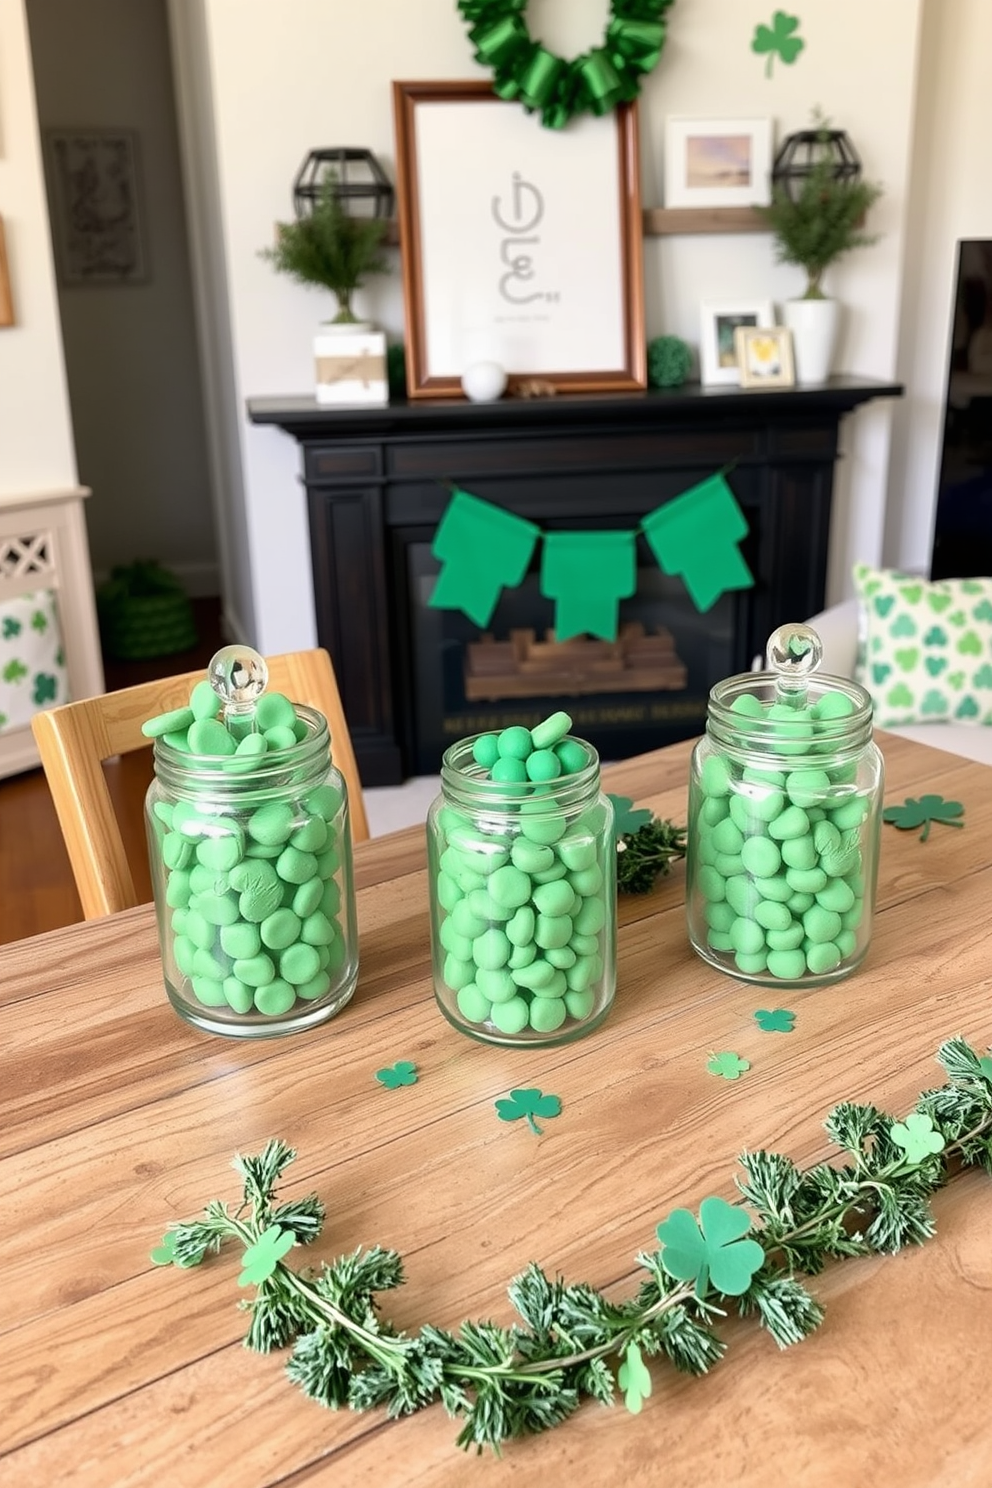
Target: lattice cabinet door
{"points": [[44, 550]]}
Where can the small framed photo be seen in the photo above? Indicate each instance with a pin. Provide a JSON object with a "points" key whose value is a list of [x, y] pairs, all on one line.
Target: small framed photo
{"points": [[764, 356], [719, 319], [718, 162]]}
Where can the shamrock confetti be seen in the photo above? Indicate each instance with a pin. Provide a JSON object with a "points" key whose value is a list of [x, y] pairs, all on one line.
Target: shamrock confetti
{"points": [[634, 1379], [778, 1020], [530, 1102], [711, 1250], [986, 1066], [260, 1260], [628, 818], [403, 1072], [165, 1253], [728, 1065], [917, 1137], [921, 813], [778, 39]]}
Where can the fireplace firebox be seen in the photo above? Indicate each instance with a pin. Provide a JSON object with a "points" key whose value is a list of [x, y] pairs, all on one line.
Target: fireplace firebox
{"points": [[413, 678]]}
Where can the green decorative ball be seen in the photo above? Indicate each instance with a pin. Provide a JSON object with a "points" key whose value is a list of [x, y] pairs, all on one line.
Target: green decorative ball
{"points": [[669, 360]]}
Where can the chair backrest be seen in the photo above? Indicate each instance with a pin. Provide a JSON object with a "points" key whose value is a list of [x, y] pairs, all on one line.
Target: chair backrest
{"points": [[75, 739]]}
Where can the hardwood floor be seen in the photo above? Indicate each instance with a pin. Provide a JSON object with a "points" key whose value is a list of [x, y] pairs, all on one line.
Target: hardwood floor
{"points": [[37, 892]]}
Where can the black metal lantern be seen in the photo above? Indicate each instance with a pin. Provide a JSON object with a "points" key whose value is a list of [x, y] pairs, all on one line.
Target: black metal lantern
{"points": [[807, 150], [360, 182]]}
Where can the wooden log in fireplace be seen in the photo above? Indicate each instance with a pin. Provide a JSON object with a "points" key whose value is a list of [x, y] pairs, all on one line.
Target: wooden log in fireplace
{"points": [[379, 479]]}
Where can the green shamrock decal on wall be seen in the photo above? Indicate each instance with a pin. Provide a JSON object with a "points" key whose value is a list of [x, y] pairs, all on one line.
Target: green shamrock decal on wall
{"points": [[261, 1258], [39, 622], [778, 40], [11, 628], [634, 1379], [728, 1066], [528, 1102], [45, 688], [14, 671], [403, 1072], [920, 813], [712, 1250], [917, 1137]]}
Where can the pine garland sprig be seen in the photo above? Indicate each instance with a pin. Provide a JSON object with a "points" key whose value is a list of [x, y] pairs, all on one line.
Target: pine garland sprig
{"points": [[505, 1382]]}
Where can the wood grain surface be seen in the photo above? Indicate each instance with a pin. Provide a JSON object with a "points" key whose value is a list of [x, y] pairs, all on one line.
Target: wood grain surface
{"points": [[116, 1118]]}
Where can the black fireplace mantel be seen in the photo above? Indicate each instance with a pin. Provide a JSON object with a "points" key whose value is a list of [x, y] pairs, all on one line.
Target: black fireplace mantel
{"points": [[379, 477]]}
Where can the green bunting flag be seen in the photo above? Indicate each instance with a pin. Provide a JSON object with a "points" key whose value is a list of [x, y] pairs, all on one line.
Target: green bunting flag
{"points": [[587, 574], [696, 536], [484, 549]]}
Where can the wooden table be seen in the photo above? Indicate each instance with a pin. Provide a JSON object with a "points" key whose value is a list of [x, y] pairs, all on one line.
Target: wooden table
{"points": [[115, 1118]]}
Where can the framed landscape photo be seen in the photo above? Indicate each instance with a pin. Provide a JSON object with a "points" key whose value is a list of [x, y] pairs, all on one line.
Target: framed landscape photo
{"points": [[719, 319], [521, 245], [764, 356], [717, 162]]}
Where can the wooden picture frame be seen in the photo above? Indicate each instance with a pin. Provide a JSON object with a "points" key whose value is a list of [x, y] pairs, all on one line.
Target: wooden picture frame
{"points": [[6, 298], [764, 356], [718, 162], [719, 319], [521, 245]]}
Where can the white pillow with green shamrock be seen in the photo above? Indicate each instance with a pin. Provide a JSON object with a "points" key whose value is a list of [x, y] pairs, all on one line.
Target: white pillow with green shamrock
{"points": [[32, 664], [924, 647]]}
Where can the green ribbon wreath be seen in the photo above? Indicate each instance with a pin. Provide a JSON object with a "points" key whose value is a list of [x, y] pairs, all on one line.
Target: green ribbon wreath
{"points": [[595, 82]]}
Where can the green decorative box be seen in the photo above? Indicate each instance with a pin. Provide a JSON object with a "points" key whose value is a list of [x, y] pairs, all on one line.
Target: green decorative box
{"points": [[144, 611]]}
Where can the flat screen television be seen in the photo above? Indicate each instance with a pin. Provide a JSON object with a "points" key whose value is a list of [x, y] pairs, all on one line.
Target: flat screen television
{"points": [[962, 541]]}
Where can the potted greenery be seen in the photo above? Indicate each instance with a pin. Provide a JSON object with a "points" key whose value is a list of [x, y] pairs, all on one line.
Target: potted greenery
{"points": [[814, 223], [333, 250]]}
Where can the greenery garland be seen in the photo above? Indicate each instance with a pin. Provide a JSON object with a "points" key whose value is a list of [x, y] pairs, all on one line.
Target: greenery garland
{"points": [[544, 83], [515, 1381]]}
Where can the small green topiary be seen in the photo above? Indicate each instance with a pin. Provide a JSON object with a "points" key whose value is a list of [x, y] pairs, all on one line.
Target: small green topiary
{"points": [[328, 247], [669, 360]]}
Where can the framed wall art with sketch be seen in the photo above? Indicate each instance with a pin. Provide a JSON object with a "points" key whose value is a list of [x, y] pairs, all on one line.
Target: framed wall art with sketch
{"points": [[96, 219], [521, 244]]}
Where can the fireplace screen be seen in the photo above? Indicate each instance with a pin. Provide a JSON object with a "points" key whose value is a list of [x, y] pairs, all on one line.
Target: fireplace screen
{"points": [[646, 688]]}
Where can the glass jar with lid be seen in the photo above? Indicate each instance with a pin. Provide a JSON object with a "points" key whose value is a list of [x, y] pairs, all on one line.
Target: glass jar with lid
{"points": [[785, 798], [250, 850], [522, 875]]}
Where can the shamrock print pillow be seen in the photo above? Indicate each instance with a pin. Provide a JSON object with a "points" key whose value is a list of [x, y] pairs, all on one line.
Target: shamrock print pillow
{"points": [[924, 648], [32, 664]]}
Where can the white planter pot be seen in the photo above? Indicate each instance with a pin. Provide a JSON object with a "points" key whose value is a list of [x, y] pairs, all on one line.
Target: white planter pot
{"points": [[814, 325], [350, 364]]}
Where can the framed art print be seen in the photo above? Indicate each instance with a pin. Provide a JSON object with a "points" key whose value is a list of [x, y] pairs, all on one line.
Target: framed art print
{"points": [[718, 162]]}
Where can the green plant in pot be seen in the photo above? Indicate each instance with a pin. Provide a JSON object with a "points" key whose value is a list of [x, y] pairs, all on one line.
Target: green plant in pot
{"points": [[333, 250], [816, 220]]}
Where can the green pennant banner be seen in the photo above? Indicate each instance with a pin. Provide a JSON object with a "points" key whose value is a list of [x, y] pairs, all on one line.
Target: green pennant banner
{"points": [[484, 549], [587, 574], [696, 536]]}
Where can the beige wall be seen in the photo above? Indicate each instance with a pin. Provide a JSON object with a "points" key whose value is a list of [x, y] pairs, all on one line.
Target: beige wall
{"points": [[950, 198], [36, 449]]}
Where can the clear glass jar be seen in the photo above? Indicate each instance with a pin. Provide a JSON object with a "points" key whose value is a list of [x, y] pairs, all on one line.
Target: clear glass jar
{"points": [[252, 876], [785, 799], [523, 902]]}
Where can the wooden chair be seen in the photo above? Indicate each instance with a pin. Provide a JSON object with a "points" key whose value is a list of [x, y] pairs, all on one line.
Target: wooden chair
{"points": [[75, 740]]}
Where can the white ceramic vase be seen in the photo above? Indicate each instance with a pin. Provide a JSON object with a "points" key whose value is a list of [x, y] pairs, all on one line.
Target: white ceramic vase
{"points": [[814, 325], [350, 364]]}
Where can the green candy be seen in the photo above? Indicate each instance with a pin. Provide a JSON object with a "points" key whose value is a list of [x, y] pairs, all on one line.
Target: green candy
{"points": [[788, 966], [793, 822], [836, 895], [747, 937], [177, 851], [553, 728], [508, 770], [522, 955], [177, 891], [254, 971], [482, 904], [240, 940], [554, 930], [823, 957], [318, 929], [587, 881], [280, 929], [579, 978], [799, 852], [466, 921], [771, 915], [554, 899], [310, 896], [580, 1004], [520, 929], [821, 924], [174, 722], [217, 909], [498, 986], [547, 1014], [591, 917], [472, 1005], [510, 887], [543, 765], [531, 857], [221, 853], [761, 857], [561, 957], [511, 1017], [206, 964], [325, 801], [577, 850], [485, 751], [514, 743], [275, 998], [448, 892], [457, 973], [199, 930], [718, 915], [542, 823], [807, 787], [294, 866], [751, 964], [203, 701], [299, 964], [538, 974], [786, 940], [209, 736], [315, 988], [237, 995], [312, 836], [183, 951], [714, 777], [209, 991], [274, 710], [572, 756], [272, 824], [491, 950], [727, 836], [280, 738]]}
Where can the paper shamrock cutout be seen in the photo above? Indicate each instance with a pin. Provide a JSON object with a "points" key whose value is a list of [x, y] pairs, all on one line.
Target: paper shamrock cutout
{"points": [[627, 817], [482, 549], [917, 1137], [986, 1066], [164, 1254], [587, 574], [634, 1379], [778, 1020], [696, 536], [778, 39], [403, 1072], [922, 812], [528, 1101], [261, 1258], [728, 1065], [711, 1250]]}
